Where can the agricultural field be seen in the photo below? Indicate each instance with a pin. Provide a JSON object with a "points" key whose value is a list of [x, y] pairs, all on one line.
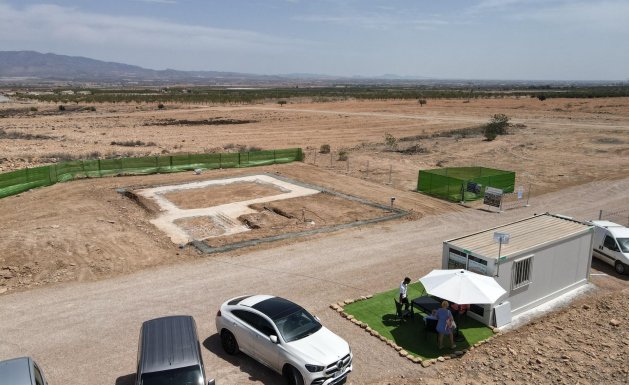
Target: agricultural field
{"points": [[85, 238]]}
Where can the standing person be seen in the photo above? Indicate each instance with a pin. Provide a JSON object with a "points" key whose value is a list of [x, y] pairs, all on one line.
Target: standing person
{"points": [[404, 294], [445, 324]]}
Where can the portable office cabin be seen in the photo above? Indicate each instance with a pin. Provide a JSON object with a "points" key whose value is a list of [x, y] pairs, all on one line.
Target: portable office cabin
{"points": [[546, 256]]}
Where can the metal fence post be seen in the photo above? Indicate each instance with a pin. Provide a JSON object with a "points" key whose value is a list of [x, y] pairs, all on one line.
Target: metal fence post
{"points": [[600, 214]]}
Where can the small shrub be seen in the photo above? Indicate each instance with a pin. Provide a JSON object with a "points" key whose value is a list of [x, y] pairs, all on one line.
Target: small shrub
{"points": [[414, 149], [497, 126], [92, 108], [33, 109], [59, 157], [541, 97], [160, 106], [20, 135], [421, 102], [342, 155], [490, 134], [62, 107], [281, 102], [324, 149], [132, 143], [390, 140]]}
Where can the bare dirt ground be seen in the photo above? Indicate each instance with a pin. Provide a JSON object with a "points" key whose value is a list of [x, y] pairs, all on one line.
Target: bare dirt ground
{"points": [[218, 195], [100, 242]]}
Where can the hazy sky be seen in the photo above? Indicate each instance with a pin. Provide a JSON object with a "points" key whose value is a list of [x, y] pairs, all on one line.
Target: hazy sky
{"points": [[475, 39]]}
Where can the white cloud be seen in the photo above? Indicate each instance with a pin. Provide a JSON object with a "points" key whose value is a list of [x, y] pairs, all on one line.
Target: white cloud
{"points": [[42, 24], [374, 21]]}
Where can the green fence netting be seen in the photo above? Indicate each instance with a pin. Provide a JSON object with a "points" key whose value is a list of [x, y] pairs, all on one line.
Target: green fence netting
{"points": [[15, 182], [458, 184]]}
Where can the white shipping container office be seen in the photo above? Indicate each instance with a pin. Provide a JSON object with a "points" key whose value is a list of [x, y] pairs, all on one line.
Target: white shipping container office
{"points": [[546, 256]]}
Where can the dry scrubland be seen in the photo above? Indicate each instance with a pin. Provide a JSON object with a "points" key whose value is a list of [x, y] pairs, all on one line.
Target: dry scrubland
{"points": [[84, 230]]}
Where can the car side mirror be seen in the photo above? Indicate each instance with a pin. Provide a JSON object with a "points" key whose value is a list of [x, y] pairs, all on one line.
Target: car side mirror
{"points": [[211, 382], [273, 338]]}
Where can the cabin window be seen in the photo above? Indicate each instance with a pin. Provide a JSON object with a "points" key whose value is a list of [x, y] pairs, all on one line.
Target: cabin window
{"points": [[456, 259], [521, 274]]}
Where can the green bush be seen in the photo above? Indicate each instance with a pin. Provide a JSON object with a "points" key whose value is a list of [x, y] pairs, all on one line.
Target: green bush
{"points": [[160, 106], [324, 149], [497, 126], [33, 109], [62, 107], [343, 155]]}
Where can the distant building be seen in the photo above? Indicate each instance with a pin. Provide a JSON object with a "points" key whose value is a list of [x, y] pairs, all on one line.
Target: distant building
{"points": [[67, 92]]}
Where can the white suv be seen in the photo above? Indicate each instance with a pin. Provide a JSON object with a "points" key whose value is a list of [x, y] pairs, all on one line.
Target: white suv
{"points": [[285, 337]]}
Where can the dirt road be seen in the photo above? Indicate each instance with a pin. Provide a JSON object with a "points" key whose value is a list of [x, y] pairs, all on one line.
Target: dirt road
{"points": [[86, 333]]}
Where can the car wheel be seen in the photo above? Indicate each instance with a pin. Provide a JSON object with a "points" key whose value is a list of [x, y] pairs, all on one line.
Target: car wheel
{"points": [[293, 377], [620, 267], [230, 345]]}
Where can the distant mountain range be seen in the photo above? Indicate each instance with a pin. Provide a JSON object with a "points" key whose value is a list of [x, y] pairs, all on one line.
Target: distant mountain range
{"points": [[33, 67]]}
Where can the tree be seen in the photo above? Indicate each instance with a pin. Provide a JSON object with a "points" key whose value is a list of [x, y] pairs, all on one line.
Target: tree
{"points": [[541, 97], [421, 102], [281, 102], [497, 126]]}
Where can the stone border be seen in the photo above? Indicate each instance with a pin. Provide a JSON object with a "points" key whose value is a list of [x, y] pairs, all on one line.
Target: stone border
{"points": [[338, 307]]}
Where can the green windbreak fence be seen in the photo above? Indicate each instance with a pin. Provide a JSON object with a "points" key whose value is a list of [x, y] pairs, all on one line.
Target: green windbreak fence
{"points": [[15, 182], [458, 184]]}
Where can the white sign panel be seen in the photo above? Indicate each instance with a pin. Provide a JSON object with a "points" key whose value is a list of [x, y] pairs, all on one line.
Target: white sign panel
{"points": [[501, 238]]}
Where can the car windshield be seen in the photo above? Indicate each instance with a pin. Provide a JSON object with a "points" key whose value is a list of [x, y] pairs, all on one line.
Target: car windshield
{"points": [[297, 325], [190, 375], [624, 244]]}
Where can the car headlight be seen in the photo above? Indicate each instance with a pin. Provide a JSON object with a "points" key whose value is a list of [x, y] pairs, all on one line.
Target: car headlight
{"points": [[314, 368]]}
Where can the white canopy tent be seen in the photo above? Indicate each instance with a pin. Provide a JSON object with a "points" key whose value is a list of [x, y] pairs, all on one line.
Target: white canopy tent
{"points": [[462, 286]]}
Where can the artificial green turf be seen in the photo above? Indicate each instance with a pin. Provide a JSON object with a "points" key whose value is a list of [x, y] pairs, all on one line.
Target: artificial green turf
{"points": [[379, 313]]}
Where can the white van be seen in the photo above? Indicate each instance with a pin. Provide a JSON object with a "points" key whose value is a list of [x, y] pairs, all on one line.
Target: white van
{"points": [[611, 245]]}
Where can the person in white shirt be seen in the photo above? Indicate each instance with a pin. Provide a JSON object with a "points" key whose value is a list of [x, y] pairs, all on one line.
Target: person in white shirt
{"points": [[404, 293]]}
